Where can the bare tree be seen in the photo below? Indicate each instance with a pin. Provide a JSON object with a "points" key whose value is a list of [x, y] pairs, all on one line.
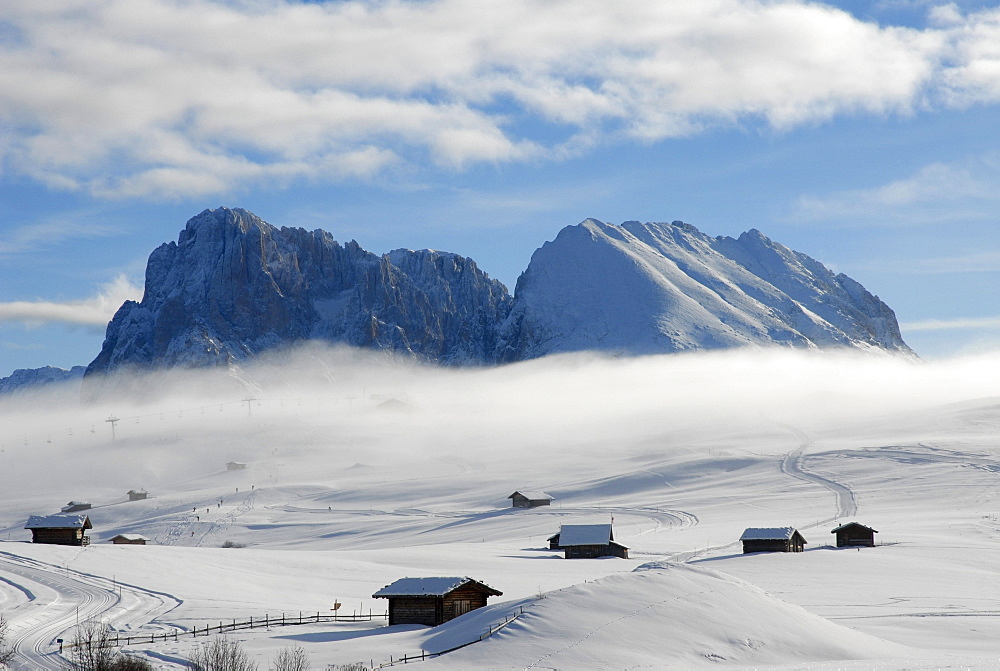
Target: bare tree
{"points": [[6, 654], [291, 659], [93, 650], [222, 654]]}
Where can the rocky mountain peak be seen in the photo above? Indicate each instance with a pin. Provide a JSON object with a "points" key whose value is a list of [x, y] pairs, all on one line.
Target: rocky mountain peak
{"points": [[233, 286]]}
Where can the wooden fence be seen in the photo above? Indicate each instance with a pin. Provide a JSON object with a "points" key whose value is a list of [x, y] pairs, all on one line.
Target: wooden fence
{"points": [[406, 659], [118, 639]]}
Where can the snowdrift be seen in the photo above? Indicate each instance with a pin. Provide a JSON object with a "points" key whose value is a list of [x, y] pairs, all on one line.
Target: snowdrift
{"points": [[665, 616]]}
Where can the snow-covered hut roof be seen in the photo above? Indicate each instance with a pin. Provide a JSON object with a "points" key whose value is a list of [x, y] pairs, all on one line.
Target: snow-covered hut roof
{"points": [[532, 495], [852, 524], [768, 534], [58, 522], [428, 587], [132, 537], [585, 534]]}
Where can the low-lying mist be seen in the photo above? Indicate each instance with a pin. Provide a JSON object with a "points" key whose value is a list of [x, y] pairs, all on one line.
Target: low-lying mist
{"points": [[315, 408]]}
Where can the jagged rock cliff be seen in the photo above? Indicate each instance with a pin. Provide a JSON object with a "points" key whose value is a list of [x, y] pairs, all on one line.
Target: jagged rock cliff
{"points": [[233, 286]]}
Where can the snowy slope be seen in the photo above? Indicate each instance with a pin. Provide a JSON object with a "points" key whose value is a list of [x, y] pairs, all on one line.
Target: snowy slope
{"points": [[667, 617], [650, 288], [345, 493]]}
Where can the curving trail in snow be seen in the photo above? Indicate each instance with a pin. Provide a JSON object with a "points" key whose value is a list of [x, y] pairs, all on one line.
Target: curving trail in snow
{"points": [[57, 598], [847, 504]]}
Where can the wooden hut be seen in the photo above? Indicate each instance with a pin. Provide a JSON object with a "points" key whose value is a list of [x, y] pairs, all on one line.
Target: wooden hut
{"points": [[129, 539], [587, 541], [529, 499], [59, 529], [432, 601], [236, 466], [772, 539], [75, 507], [853, 534], [137, 495]]}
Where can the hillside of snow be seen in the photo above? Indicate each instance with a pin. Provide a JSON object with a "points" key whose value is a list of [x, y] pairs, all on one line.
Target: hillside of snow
{"points": [[361, 471]]}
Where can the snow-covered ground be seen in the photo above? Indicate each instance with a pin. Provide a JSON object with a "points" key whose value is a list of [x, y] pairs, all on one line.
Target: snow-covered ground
{"points": [[363, 471]]}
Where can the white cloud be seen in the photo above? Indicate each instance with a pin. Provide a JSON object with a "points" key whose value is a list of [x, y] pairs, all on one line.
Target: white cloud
{"points": [[37, 235], [95, 311], [160, 98], [987, 323], [936, 193]]}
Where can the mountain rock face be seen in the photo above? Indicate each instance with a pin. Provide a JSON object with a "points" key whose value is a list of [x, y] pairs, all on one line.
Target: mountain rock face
{"points": [[651, 288], [233, 286], [32, 379]]}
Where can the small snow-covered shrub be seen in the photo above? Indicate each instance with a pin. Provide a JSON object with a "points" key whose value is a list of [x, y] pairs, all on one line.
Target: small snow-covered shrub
{"points": [[6, 654], [131, 663], [291, 659], [233, 544], [222, 654]]}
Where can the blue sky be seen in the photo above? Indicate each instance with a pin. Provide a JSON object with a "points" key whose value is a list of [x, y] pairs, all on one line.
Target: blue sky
{"points": [[865, 134]]}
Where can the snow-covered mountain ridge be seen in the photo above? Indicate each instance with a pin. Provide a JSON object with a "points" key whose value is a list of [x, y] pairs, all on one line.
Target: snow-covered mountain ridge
{"points": [[27, 379], [650, 288], [233, 286]]}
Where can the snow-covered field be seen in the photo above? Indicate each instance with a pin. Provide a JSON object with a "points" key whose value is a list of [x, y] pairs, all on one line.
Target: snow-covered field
{"points": [[362, 471]]}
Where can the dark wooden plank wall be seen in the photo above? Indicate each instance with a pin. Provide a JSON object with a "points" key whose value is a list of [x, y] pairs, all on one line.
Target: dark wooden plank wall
{"points": [[415, 610], [855, 537], [770, 546], [59, 537], [594, 551], [463, 593]]}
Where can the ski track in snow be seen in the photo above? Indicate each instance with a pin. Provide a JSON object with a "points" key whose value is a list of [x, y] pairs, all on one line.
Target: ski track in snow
{"points": [[59, 598], [191, 527], [847, 505]]}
